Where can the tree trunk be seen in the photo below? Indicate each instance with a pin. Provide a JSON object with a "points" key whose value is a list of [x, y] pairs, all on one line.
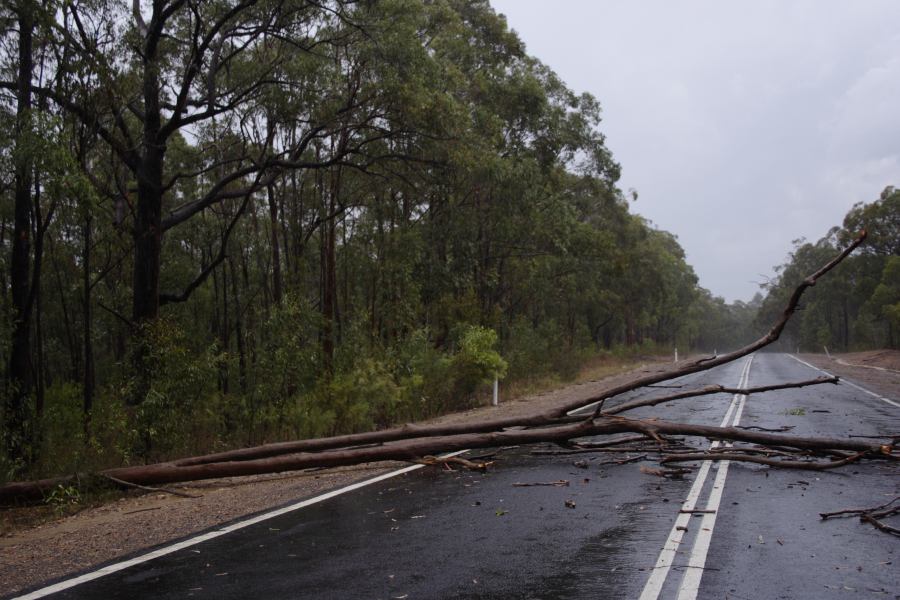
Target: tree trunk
{"points": [[87, 383], [276, 250], [19, 379], [329, 271], [415, 449], [147, 232], [149, 174], [238, 329]]}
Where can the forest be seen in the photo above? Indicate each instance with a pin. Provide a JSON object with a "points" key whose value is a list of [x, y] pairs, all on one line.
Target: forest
{"points": [[231, 223], [858, 306]]}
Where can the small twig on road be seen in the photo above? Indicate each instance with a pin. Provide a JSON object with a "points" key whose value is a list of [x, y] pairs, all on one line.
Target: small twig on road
{"points": [[858, 511], [624, 460], [879, 525], [781, 429], [608, 443], [871, 515], [560, 483]]}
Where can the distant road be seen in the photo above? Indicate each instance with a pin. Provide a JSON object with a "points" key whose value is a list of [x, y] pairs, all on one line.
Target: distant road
{"points": [[726, 531]]}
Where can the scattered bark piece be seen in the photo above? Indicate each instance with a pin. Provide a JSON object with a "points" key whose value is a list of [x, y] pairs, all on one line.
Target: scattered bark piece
{"points": [[665, 473], [624, 460]]}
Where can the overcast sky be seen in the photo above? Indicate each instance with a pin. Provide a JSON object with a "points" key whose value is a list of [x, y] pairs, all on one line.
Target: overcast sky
{"points": [[742, 125]]}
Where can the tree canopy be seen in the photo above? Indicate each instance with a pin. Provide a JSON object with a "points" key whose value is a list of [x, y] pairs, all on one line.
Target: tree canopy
{"points": [[858, 307], [230, 223]]}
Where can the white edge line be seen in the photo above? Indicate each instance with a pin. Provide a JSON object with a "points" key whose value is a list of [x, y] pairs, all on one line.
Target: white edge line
{"points": [[847, 381], [109, 569]]}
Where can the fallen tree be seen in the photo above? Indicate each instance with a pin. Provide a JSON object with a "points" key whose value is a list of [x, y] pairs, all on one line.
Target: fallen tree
{"points": [[419, 443]]}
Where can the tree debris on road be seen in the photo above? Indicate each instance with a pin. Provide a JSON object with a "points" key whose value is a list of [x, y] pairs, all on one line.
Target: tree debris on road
{"points": [[423, 444]]}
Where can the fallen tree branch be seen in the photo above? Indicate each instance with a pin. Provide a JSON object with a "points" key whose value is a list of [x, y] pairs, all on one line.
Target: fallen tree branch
{"points": [[615, 442], [871, 515], [555, 416], [776, 429], [859, 511], [588, 451], [412, 442], [715, 389], [624, 461], [708, 363], [878, 524], [150, 489], [408, 431], [410, 450], [772, 462]]}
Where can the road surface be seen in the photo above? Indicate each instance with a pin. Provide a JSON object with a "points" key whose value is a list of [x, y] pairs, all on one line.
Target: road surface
{"points": [[612, 532]]}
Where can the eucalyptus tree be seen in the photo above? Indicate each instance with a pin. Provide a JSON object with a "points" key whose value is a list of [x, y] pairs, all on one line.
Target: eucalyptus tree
{"points": [[853, 309], [19, 379], [198, 71]]}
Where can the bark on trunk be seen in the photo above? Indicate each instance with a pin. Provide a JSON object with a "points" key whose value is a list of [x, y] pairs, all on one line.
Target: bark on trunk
{"points": [[19, 379], [88, 375], [276, 249]]}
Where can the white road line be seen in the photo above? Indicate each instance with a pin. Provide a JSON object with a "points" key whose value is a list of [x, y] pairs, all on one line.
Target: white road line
{"points": [[70, 583], [848, 382], [657, 578], [690, 583]]}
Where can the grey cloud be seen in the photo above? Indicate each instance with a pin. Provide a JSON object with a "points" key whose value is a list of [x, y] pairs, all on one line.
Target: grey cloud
{"points": [[743, 125]]}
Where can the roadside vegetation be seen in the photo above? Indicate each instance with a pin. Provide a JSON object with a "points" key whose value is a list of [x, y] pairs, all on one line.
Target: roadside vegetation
{"points": [[858, 306], [226, 225]]}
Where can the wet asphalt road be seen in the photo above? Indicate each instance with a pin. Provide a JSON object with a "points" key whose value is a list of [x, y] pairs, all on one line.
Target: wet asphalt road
{"points": [[432, 534]]}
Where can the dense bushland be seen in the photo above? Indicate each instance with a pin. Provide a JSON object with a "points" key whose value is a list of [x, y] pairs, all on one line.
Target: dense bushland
{"points": [[223, 224], [858, 306]]}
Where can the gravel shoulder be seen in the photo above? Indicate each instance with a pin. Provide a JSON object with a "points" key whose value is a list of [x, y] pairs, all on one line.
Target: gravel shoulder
{"points": [[876, 370], [139, 521]]}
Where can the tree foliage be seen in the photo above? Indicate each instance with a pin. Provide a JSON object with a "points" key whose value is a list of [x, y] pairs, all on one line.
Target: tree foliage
{"points": [[857, 308], [262, 220]]}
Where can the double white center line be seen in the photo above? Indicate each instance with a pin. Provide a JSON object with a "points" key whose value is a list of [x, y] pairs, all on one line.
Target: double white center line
{"points": [[690, 583]]}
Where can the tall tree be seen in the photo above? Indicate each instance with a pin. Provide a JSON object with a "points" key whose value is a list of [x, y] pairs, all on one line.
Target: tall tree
{"points": [[20, 376]]}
